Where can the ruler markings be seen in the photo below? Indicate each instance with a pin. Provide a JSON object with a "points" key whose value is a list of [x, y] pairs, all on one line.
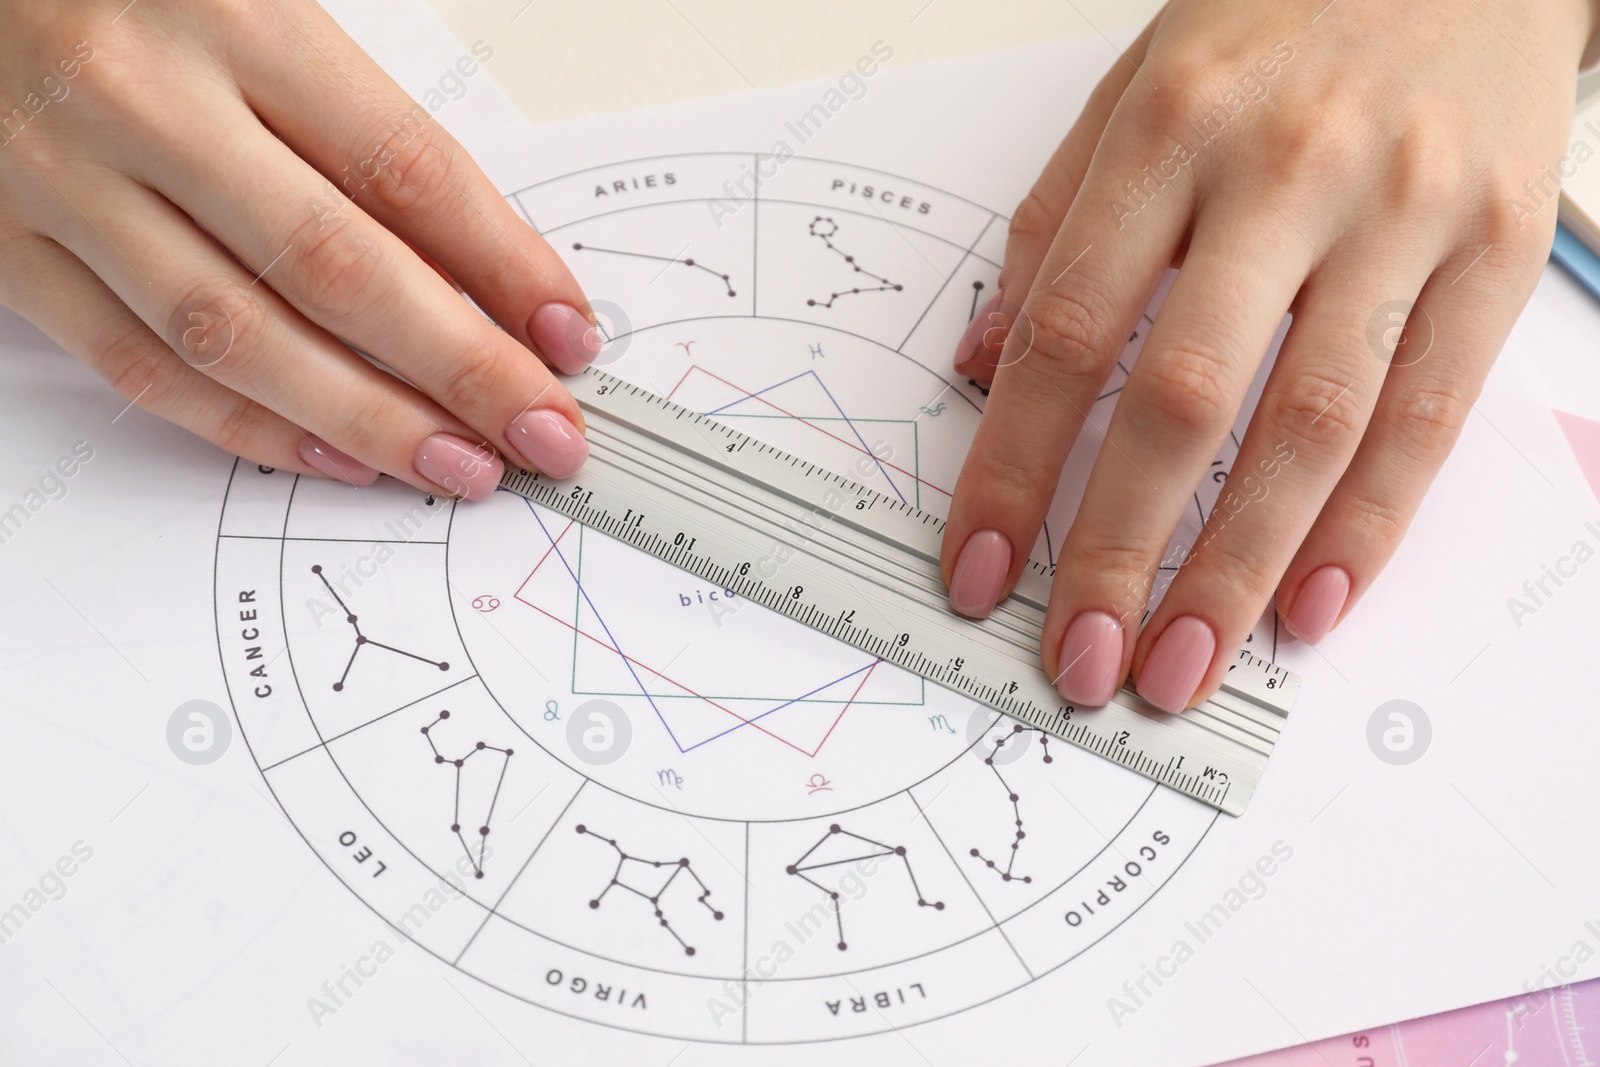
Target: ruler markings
{"points": [[817, 547]]}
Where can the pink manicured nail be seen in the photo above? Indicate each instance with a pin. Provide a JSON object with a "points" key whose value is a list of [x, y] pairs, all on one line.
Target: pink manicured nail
{"points": [[971, 345], [1321, 598], [548, 442], [464, 469], [1091, 659], [564, 337], [980, 574], [1178, 663], [315, 452]]}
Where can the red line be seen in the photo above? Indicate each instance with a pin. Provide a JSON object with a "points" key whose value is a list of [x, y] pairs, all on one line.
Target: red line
{"points": [[720, 707], [848, 444], [686, 374], [846, 707], [518, 594]]}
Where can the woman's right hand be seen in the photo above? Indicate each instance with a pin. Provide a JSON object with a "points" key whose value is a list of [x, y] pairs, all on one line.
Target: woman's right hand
{"points": [[206, 202]]}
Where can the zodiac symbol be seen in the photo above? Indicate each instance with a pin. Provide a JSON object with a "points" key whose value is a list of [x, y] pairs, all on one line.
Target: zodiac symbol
{"points": [[819, 783], [552, 711], [485, 604]]}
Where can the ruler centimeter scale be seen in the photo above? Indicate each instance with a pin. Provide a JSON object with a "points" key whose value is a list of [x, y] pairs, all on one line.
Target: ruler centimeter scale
{"points": [[863, 567]]}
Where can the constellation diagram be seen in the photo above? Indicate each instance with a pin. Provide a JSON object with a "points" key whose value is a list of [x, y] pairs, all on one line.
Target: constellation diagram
{"points": [[675, 868], [825, 228], [1017, 730], [815, 779], [459, 763], [878, 850], [668, 260], [362, 640]]}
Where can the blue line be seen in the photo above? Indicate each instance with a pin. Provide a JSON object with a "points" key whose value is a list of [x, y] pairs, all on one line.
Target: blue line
{"points": [[614, 643], [863, 441], [847, 420], [780, 707], [768, 389], [617, 646]]}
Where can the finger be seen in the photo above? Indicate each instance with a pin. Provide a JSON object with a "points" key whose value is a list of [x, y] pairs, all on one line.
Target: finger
{"points": [[384, 151], [63, 298], [1092, 286], [1452, 336], [1037, 220], [1313, 411], [354, 278], [243, 336], [1171, 418]]}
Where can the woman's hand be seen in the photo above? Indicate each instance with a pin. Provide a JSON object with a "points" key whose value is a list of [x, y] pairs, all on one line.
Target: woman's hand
{"points": [[1362, 163], [207, 201]]}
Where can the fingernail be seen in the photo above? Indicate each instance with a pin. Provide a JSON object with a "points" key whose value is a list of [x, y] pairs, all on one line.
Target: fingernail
{"points": [[548, 442], [464, 469], [980, 574], [1091, 659], [1317, 606], [315, 452], [1178, 663], [972, 338], [564, 337]]}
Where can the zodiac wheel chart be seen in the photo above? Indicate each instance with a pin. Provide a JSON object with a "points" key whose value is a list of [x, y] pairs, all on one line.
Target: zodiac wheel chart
{"points": [[596, 784]]}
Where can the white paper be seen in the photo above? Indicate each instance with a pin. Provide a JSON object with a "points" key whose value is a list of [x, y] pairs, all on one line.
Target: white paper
{"points": [[234, 911]]}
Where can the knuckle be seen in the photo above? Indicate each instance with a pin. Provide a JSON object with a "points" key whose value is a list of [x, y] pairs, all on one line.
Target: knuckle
{"points": [[1182, 393], [1072, 332], [1516, 231], [1185, 92], [411, 168], [1372, 522], [482, 369], [217, 321], [240, 429], [336, 267], [1427, 418], [1122, 568], [1317, 410], [1035, 216], [1237, 567], [366, 422], [133, 361]]}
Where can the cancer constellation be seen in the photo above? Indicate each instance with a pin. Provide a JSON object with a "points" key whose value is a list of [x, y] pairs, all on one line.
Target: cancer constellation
{"points": [[668, 260], [1017, 730], [459, 763], [876, 850], [362, 640], [825, 228], [675, 868]]}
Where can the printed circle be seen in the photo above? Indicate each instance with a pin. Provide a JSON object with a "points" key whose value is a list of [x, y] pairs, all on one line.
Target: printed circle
{"points": [[599, 732], [615, 330], [199, 732], [1399, 732]]}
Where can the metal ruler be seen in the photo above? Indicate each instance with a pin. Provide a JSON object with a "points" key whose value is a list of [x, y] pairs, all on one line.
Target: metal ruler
{"points": [[864, 568]]}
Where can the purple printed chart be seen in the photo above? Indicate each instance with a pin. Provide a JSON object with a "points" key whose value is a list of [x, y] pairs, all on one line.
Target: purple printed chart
{"points": [[1555, 1027]]}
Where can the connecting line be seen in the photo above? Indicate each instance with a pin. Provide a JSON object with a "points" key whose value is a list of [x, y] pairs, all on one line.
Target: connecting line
{"points": [[1017, 731], [362, 640], [832, 400], [879, 850], [676, 867], [629, 662], [824, 228], [660, 259], [459, 763]]}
